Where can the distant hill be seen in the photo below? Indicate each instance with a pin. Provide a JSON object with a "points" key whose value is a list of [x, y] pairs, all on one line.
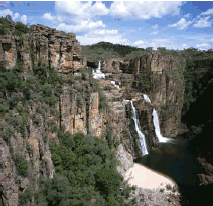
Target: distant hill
{"points": [[107, 50]]}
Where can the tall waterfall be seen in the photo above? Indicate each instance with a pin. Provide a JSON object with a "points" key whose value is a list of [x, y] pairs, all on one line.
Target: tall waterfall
{"points": [[141, 135], [98, 74], [156, 123]]}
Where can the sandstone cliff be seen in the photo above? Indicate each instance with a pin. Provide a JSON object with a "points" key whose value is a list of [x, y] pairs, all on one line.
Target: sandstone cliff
{"points": [[94, 108], [160, 77]]}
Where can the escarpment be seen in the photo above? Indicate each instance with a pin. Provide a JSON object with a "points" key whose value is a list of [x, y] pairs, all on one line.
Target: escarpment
{"points": [[159, 76], [49, 92]]}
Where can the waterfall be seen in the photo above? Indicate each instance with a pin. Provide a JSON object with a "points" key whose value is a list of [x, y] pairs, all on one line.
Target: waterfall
{"points": [[146, 98], [141, 135], [98, 74], [157, 127], [113, 82], [156, 122]]}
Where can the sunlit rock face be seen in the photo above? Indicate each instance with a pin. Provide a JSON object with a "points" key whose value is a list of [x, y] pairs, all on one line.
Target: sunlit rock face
{"points": [[95, 117], [59, 50], [125, 160], [164, 81]]}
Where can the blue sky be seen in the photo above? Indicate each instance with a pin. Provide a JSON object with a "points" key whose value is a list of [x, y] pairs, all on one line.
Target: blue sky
{"points": [[174, 25]]}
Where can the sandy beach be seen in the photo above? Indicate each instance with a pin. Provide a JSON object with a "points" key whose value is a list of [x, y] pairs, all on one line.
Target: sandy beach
{"points": [[143, 177], [149, 183]]}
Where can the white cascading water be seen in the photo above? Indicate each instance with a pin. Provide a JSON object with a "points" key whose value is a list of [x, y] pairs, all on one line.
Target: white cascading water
{"points": [[98, 74], [113, 82], [156, 122], [141, 135]]}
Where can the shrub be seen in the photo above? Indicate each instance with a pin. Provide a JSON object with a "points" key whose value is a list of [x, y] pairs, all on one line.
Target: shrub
{"points": [[109, 137], [78, 88], [168, 187], [4, 108], [108, 181], [21, 166], [36, 120], [40, 111], [107, 87], [20, 29], [26, 93], [14, 100], [26, 197], [45, 138]]}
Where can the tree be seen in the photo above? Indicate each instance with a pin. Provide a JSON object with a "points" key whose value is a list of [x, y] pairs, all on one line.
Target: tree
{"points": [[149, 48], [9, 18]]}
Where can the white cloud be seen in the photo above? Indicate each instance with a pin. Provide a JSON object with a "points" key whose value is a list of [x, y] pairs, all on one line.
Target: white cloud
{"points": [[16, 16], [154, 32], [187, 15], [89, 39], [182, 24], [211, 40], [185, 46], [54, 19], [48, 16], [105, 32], [83, 26], [82, 10], [24, 19], [145, 9], [155, 43], [8, 12], [99, 9], [203, 46], [161, 40], [155, 26], [208, 12], [203, 23], [137, 43]]}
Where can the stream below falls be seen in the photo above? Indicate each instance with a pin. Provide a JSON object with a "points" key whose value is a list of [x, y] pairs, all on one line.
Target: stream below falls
{"points": [[176, 161]]}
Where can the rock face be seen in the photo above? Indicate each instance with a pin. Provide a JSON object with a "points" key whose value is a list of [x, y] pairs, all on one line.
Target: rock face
{"points": [[199, 120], [34, 150], [161, 79], [92, 63], [58, 50], [146, 125]]}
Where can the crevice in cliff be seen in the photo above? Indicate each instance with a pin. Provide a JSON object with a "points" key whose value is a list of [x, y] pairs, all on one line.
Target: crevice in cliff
{"points": [[87, 111], [60, 115], [167, 88]]}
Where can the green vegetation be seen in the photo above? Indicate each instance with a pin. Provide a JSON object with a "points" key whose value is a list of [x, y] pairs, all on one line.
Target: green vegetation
{"points": [[95, 88], [22, 166], [20, 28], [85, 170], [107, 50], [197, 74], [145, 80]]}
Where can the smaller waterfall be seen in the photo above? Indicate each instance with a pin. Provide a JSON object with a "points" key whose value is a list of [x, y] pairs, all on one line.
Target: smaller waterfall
{"points": [[146, 98], [156, 122], [113, 82], [98, 74], [157, 127], [141, 135]]}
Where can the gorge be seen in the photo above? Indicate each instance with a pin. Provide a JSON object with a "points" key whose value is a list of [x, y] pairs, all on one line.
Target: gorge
{"points": [[148, 110]]}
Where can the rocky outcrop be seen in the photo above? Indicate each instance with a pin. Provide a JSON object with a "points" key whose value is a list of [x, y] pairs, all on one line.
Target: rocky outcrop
{"points": [[33, 149], [125, 160], [111, 65], [56, 49], [159, 76]]}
